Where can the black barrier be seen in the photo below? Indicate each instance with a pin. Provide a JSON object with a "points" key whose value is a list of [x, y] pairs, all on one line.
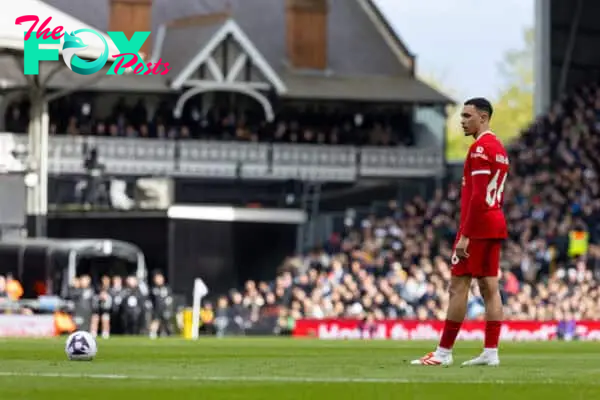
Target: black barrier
{"points": [[238, 325], [223, 253]]}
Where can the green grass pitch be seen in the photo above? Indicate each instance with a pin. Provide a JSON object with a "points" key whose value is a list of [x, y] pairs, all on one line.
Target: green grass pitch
{"points": [[257, 368]]}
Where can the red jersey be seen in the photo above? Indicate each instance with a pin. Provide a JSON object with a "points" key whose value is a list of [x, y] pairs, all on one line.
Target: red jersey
{"points": [[482, 194]]}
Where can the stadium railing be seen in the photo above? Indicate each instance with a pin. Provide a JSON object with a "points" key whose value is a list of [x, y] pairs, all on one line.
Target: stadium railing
{"points": [[196, 158]]}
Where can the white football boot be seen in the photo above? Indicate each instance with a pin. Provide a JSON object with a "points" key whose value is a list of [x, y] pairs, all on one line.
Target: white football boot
{"points": [[435, 358], [489, 358]]}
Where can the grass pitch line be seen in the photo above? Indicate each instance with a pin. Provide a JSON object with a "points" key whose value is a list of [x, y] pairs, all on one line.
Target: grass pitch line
{"points": [[270, 379]]}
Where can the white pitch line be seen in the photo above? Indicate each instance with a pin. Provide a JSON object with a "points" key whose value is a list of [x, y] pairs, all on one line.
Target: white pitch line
{"points": [[273, 379]]}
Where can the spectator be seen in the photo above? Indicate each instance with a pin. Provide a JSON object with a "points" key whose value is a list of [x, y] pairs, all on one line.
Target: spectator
{"points": [[3, 292], [207, 319], [222, 316], [13, 288]]}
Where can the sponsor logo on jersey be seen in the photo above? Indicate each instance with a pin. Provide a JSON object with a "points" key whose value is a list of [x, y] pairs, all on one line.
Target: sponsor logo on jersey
{"points": [[479, 155], [502, 159]]}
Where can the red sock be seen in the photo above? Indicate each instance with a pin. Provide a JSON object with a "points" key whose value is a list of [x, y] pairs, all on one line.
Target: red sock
{"points": [[451, 329], [492, 334]]}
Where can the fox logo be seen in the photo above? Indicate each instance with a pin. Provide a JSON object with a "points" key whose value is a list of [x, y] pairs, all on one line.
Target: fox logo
{"points": [[72, 46]]}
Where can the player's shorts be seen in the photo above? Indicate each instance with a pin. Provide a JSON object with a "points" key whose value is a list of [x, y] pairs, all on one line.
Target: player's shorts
{"points": [[156, 314], [483, 261], [101, 309]]}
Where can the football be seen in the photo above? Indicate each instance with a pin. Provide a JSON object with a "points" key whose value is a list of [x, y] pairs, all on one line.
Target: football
{"points": [[81, 346]]}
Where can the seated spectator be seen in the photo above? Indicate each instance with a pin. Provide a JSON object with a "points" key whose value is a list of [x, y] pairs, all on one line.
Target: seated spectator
{"points": [[73, 115], [14, 290], [207, 319], [3, 292]]}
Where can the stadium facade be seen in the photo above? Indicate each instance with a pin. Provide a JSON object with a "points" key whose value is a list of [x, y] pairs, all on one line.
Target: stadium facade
{"points": [[271, 58]]}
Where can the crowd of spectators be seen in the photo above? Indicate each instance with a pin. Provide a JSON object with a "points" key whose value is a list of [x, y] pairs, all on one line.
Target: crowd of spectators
{"points": [[396, 264], [75, 116]]}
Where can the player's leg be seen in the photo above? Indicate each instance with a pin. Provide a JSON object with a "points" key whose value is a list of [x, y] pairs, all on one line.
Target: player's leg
{"points": [[94, 324], [129, 323], [460, 284], [457, 309], [137, 320], [166, 325], [488, 282], [154, 325], [105, 325]]}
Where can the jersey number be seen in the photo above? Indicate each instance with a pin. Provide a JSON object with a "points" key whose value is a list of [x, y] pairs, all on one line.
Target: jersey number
{"points": [[495, 191]]}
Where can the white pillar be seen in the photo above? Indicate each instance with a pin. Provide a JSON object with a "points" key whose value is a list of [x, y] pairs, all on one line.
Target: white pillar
{"points": [[43, 160], [33, 159]]}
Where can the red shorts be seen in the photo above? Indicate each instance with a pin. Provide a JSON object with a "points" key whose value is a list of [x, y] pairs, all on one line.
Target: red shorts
{"points": [[484, 259]]}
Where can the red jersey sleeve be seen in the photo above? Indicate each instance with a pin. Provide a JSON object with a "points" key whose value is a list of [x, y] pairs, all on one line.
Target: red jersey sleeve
{"points": [[481, 170]]}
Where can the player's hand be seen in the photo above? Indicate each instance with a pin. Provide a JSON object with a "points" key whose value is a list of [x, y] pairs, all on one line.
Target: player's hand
{"points": [[461, 247]]}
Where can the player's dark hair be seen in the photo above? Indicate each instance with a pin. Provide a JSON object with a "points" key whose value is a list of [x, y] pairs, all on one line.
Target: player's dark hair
{"points": [[481, 104]]}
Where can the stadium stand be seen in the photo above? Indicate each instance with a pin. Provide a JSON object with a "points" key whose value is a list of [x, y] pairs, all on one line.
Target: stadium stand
{"points": [[396, 265], [392, 264], [69, 116], [330, 116]]}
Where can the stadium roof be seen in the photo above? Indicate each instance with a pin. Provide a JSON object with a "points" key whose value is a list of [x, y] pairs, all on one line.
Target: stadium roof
{"points": [[366, 59], [567, 43], [52, 74], [11, 35]]}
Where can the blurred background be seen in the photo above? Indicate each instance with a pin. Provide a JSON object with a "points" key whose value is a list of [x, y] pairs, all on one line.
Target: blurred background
{"points": [[292, 167]]}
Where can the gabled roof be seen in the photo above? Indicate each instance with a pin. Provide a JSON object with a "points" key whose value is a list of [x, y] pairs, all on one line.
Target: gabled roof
{"points": [[196, 38], [389, 35], [358, 48], [208, 39], [362, 45]]}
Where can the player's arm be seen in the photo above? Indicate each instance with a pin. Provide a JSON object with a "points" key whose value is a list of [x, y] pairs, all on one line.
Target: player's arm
{"points": [[481, 171]]}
